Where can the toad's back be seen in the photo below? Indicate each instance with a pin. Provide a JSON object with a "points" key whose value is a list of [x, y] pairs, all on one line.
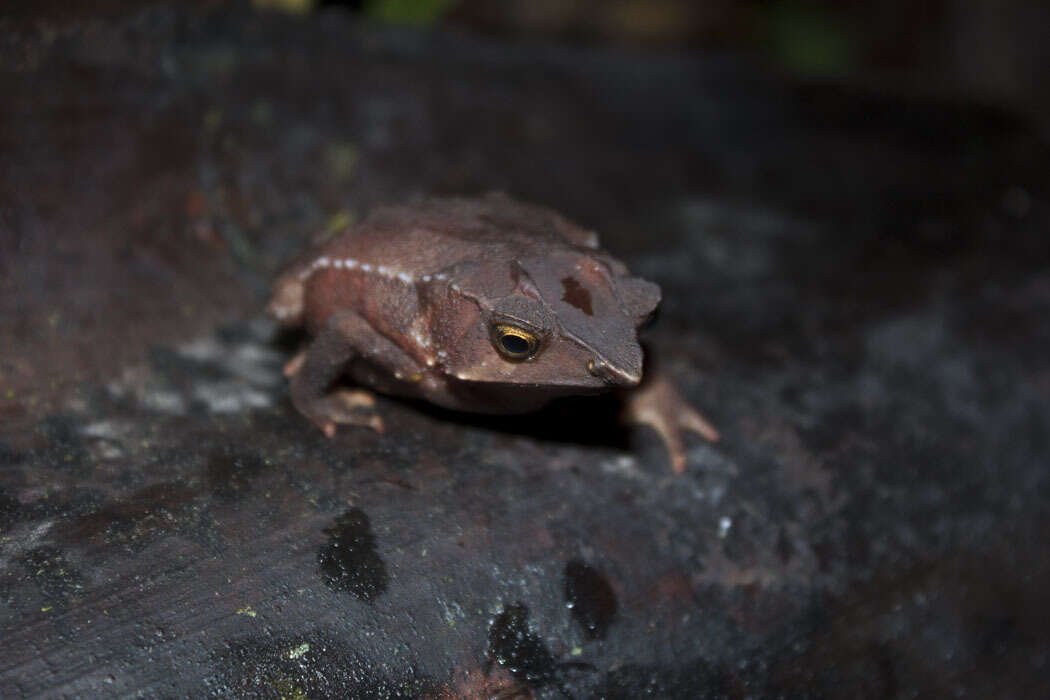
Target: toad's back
{"points": [[438, 233], [405, 245]]}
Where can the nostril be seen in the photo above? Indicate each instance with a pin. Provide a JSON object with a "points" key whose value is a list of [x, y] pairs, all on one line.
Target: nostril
{"points": [[611, 374]]}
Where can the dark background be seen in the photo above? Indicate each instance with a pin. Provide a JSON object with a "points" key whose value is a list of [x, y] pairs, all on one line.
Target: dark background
{"points": [[846, 207]]}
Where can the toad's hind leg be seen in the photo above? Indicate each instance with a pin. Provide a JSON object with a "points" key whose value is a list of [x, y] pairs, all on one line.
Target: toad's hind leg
{"points": [[345, 337]]}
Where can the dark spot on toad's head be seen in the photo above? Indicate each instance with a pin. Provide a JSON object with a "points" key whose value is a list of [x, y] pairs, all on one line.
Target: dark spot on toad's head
{"points": [[577, 295], [349, 561], [591, 598]]}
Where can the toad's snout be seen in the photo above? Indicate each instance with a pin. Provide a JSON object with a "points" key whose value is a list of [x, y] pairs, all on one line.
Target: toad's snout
{"points": [[616, 376]]}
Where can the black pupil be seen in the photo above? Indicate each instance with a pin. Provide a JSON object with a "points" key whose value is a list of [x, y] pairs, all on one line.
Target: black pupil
{"points": [[514, 344]]}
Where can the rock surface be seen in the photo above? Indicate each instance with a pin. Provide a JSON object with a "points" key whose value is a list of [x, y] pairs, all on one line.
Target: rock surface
{"points": [[857, 293]]}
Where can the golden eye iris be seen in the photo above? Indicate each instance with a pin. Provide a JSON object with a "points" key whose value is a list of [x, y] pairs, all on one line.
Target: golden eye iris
{"points": [[514, 343]]}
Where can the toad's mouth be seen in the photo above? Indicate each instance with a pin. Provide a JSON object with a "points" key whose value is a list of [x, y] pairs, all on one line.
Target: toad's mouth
{"points": [[597, 375]]}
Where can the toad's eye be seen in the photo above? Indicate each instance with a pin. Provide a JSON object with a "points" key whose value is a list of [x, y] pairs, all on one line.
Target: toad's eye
{"points": [[514, 343]]}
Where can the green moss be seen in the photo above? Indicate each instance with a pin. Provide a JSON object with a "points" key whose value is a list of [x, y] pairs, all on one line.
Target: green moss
{"points": [[416, 12], [810, 41]]}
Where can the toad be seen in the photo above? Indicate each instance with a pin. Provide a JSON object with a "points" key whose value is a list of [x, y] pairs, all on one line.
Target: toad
{"points": [[485, 305]]}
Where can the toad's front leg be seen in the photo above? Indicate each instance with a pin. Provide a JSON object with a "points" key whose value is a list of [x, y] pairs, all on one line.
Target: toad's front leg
{"points": [[659, 405], [345, 337]]}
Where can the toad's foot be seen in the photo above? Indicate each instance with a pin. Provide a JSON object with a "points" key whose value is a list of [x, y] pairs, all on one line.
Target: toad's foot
{"points": [[659, 405], [343, 407], [292, 367]]}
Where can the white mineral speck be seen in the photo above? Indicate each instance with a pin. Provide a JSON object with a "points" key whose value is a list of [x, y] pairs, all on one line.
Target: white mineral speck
{"points": [[724, 524]]}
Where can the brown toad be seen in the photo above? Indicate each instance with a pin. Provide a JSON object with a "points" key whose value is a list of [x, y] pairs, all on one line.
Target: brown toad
{"points": [[486, 305]]}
